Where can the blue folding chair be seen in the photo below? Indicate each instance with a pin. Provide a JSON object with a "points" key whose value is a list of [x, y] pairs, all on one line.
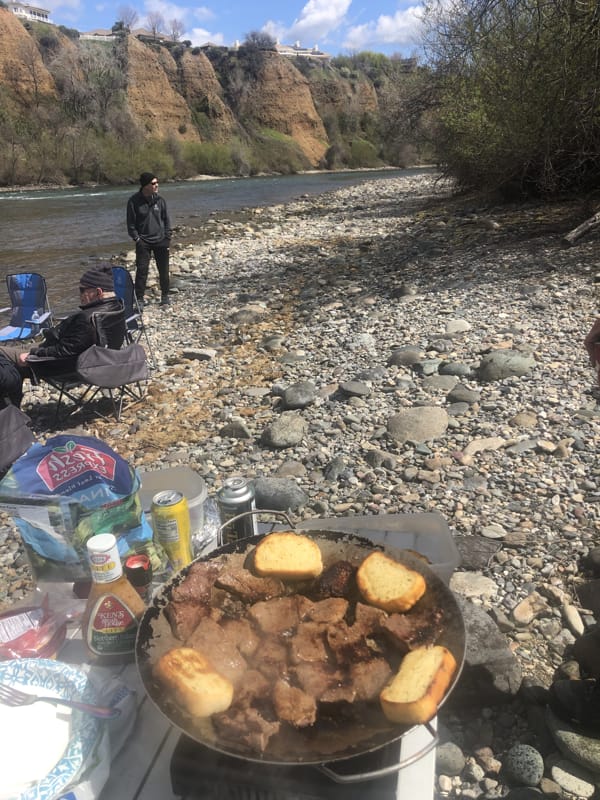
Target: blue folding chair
{"points": [[30, 310], [124, 289]]}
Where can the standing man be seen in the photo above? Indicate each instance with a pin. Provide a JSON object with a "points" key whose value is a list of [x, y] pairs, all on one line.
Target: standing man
{"points": [[149, 226]]}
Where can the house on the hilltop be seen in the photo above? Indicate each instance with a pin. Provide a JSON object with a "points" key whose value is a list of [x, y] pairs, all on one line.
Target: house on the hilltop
{"points": [[143, 34], [293, 50], [30, 13]]}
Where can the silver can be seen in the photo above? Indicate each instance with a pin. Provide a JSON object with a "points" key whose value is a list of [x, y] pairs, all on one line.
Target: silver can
{"points": [[235, 497]]}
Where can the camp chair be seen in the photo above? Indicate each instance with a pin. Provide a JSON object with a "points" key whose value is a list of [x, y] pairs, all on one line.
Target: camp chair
{"points": [[29, 308], [15, 436], [107, 368], [125, 291]]}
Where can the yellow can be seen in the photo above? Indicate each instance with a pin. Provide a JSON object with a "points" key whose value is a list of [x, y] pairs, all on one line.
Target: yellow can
{"points": [[171, 526]]}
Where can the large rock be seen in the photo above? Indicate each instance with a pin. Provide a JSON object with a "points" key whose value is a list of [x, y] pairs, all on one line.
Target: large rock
{"points": [[584, 750], [299, 395], [501, 364], [491, 673], [405, 356], [288, 430], [278, 494], [419, 424]]}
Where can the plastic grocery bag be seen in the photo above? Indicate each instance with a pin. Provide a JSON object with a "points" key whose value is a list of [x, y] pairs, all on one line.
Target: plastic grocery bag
{"points": [[64, 491]]}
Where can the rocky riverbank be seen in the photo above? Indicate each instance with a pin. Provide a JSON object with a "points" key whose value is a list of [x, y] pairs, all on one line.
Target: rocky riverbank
{"points": [[390, 349]]}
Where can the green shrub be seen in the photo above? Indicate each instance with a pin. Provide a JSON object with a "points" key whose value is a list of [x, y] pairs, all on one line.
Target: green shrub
{"points": [[363, 154], [207, 158], [273, 151]]}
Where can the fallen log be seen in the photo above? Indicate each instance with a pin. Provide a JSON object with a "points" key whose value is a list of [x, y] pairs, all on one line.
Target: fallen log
{"points": [[586, 226]]}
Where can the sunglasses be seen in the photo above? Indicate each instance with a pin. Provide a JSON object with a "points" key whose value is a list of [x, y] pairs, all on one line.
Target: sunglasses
{"points": [[154, 183]]}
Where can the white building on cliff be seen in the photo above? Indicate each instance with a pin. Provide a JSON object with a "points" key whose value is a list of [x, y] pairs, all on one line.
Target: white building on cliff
{"points": [[30, 13]]}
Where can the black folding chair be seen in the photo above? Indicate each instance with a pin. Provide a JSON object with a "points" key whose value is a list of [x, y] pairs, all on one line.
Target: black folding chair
{"points": [[15, 436], [111, 368], [134, 317]]}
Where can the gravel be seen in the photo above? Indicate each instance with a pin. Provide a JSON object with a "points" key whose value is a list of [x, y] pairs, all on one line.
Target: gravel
{"points": [[390, 348]]}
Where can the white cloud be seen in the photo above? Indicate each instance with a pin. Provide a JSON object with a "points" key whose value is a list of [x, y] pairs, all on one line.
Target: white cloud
{"points": [[168, 11], [202, 13], [198, 36], [317, 20], [401, 29]]}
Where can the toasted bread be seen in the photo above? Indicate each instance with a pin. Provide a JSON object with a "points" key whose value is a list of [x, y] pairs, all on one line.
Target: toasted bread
{"points": [[413, 695], [387, 584], [289, 556], [192, 682]]}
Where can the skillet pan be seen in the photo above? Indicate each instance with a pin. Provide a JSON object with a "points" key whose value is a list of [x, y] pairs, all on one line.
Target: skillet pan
{"points": [[329, 739]]}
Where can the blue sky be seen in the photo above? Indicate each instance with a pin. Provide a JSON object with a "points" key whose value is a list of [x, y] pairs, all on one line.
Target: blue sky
{"points": [[336, 26]]}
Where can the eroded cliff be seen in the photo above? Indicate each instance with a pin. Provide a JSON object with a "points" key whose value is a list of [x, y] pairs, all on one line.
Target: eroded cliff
{"points": [[118, 99]]}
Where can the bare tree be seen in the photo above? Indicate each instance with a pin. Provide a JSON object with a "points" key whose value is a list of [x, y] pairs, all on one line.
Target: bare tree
{"points": [[156, 22], [26, 74], [128, 16], [176, 29]]}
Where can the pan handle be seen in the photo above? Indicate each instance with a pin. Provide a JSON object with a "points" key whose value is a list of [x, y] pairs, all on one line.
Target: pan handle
{"points": [[280, 514], [380, 773]]}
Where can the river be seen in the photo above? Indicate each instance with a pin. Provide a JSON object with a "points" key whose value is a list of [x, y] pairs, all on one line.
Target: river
{"points": [[59, 232]]}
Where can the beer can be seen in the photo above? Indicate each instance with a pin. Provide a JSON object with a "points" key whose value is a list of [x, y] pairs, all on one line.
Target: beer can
{"points": [[138, 570], [171, 526], [233, 498]]}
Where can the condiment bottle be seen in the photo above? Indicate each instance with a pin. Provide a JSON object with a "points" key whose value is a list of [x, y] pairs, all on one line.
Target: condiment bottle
{"points": [[114, 608]]}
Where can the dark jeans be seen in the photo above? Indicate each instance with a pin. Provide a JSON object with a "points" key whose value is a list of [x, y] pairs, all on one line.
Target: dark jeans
{"points": [[143, 252], [12, 373], [12, 353]]}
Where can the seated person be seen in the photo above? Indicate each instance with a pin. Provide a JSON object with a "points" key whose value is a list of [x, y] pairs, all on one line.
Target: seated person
{"points": [[592, 345], [11, 383], [64, 342]]}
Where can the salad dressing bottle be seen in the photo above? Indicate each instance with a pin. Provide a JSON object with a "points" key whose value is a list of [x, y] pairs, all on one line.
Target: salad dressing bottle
{"points": [[114, 607]]}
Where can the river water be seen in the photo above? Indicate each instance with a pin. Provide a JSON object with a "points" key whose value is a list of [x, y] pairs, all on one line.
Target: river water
{"points": [[59, 232]]}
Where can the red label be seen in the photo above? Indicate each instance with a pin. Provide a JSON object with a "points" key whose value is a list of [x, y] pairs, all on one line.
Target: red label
{"points": [[68, 462], [112, 615]]}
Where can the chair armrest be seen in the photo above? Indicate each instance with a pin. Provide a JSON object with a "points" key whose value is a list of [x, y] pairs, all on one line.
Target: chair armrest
{"points": [[40, 320]]}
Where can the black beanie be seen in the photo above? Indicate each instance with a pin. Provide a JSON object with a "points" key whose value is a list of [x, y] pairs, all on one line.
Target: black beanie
{"points": [[146, 178], [100, 277]]}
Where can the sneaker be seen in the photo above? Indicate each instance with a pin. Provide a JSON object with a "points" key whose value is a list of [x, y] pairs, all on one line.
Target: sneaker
{"points": [[165, 300]]}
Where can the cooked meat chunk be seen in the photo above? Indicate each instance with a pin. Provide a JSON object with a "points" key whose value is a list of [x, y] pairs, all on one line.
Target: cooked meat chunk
{"points": [[190, 599], [279, 615], [308, 643], [197, 584], [369, 616], [184, 616], [336, 581], [369, 677], [416, 628], [241, 633], [245, 725], [212, 641], [227, 605], [331, 610], [325, 683], [255, 689], [348, 643], [249, 587], [293, 705], [272, 658]]}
